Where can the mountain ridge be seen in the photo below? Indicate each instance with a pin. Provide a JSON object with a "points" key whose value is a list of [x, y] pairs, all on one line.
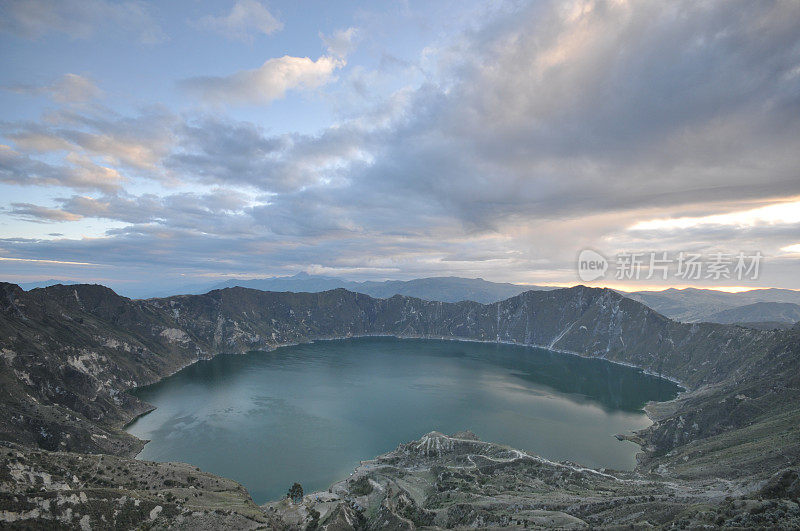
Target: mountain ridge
{"points": [[780, 312], [695, 304], [69, 353], [686, 304], [93, 329], [444, 289]]}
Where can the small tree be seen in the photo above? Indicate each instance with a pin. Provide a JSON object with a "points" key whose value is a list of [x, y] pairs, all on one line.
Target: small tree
{"points": [[295, 493]]}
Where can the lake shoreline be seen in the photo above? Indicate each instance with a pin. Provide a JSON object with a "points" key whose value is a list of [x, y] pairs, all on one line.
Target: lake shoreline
{"points": [[507, 360]]}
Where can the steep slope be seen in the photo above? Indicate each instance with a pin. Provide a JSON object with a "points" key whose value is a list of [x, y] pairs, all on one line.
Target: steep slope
{"points": [[746, 424]]}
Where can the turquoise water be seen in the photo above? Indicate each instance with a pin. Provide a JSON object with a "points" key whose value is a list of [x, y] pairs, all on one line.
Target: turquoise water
{"points": [[309, 413]]}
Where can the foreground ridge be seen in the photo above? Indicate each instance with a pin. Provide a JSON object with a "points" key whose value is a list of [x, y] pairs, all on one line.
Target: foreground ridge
{"points": [[41, 489], [458, 481]]}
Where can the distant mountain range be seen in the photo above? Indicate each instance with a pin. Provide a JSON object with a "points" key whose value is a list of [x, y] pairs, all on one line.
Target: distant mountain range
{"points": [[779, 312], [444, 289], [27, 286], [694, 305], [764, 306]]}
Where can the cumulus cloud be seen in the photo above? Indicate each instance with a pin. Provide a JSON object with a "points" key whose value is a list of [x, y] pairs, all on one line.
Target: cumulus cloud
{"points": [[247, 17], [266, 83], [79, 19], [342, 42]]}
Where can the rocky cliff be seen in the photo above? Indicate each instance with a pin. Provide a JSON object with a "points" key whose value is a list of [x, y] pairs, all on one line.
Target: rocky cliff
{"points": [[69, 353]]}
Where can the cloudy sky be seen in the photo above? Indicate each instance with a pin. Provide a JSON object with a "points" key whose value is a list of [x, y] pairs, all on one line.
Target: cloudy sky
{"points": [[169, 143]]}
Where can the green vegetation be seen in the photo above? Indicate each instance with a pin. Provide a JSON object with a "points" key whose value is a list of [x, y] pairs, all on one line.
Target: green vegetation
{"points": [[295, 493]]}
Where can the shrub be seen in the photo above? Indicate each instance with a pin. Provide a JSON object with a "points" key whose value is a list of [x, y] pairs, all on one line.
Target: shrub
{"points": [[295, 493]]}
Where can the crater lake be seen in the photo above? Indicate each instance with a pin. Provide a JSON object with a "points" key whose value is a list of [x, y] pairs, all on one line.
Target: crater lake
{"points": [[309, 413]]}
